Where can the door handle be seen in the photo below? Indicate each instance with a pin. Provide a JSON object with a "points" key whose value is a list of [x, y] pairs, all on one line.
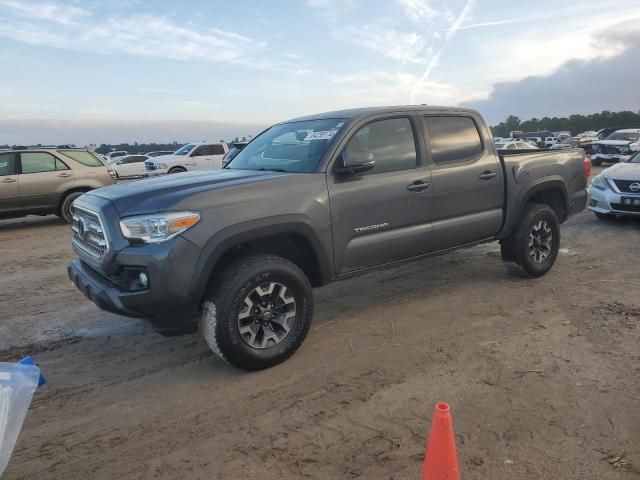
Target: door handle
{"points": [[64, 175], [418, 186], [487, 175], [9, 180]]}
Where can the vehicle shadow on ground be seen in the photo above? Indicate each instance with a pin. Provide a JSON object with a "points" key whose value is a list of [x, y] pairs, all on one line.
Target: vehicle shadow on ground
{"points": [[30, 222]]}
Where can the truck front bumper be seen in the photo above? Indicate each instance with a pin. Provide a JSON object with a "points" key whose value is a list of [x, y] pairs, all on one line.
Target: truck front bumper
{"points": [[167, 301], [610, 158], [613, 203]]}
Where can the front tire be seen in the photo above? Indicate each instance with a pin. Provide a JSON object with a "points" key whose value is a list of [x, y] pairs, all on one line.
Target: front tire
{"points": [[177, 170], [533, 248], [258, 312]]}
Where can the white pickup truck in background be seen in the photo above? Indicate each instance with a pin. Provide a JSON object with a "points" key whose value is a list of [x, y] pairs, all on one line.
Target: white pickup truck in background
{"points": [[192, 156]]}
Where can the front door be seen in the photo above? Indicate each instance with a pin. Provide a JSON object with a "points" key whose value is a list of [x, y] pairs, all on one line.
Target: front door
{"points": [[384, 214], [468, 183], [43, 178], [10, 203]]}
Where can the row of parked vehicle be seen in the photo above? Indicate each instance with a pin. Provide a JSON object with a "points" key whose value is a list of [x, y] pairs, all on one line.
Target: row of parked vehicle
{"points": [[192, 156], [607, 145]]}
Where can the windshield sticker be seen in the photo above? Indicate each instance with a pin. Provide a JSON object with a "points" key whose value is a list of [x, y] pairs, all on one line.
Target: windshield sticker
{"points": [[323, 135]]}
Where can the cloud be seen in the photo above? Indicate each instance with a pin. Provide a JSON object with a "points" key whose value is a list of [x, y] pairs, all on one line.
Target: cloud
{"points": [[577, 86], [142, 35], [398, 45], [418, 10]]}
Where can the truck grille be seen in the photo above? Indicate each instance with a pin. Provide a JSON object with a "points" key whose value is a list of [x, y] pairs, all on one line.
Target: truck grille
{"points": [[149, 165], [88, 233], [609, 150], [625, 186]]}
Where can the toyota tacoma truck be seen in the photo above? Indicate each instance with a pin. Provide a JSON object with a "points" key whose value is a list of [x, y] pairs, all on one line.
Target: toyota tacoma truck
{"points": [[307, 202]]}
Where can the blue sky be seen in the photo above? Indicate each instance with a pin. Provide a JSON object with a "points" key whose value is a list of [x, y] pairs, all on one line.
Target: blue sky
{"points": [[93, 71]]}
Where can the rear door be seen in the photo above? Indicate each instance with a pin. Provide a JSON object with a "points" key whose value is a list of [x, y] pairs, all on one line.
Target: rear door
{"points": [[43, 178], [384, 214], [468, 184], [10, 203], [207, 157]]}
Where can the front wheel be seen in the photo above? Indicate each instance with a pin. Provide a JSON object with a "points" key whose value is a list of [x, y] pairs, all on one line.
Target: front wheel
{"points": [[177, 170], [258, 312], [533, 247]]}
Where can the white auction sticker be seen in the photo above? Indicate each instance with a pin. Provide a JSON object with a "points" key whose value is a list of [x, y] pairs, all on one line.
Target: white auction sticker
{"points": [[322, 135]]}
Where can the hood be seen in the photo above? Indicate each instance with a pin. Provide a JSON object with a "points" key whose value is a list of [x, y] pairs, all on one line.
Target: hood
{"points": [[623, 171], [615, 143], [164, 158], [172, 192]]}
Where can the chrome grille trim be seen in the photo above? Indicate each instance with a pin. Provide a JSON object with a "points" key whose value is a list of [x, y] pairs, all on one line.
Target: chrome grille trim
{"points": [[93, 243]]}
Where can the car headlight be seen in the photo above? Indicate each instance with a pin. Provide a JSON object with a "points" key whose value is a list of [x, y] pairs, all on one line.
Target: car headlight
{"points": [[161, 166], [624, 149], [113, 173], [157, 227], [599, 182]]}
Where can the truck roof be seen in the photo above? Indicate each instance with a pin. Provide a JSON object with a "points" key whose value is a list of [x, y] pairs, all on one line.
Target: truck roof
{"points": [[356, 113]]}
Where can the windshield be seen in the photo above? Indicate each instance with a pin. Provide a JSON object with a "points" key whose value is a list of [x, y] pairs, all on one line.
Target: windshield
{"points": [[628, 136], [635, 158], [288, 147], [185, 149], [499, 145]]}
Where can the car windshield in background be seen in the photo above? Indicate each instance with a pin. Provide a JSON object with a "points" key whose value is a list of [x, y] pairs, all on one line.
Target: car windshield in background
{"points": [[85, 158], [570, 141], [499, 145], [288, 147], [635, 158], [628, 136], [185, 149]]}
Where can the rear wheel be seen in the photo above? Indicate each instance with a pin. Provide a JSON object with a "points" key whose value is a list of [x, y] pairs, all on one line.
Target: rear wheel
{"points": [[177, 170], [67, 203], [533, 248], [258, 312]]}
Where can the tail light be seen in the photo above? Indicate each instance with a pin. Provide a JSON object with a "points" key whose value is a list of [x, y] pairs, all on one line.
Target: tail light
{"points": [[587, 165]]}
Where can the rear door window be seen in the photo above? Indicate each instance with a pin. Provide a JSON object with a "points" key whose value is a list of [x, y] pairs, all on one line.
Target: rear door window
{"points": [[85, 158], [452, 138], [7, 164], [217, 149], [37, 162]]}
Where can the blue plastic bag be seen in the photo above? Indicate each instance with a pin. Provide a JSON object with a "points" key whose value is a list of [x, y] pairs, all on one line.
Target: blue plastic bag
{"points": [[18, 382]]}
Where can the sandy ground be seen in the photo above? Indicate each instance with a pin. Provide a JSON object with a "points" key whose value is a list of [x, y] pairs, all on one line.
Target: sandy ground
{"points": [[543, 376]]}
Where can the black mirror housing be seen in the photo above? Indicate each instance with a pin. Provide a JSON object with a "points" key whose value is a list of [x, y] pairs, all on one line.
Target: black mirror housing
{"points": [[356, 162]]}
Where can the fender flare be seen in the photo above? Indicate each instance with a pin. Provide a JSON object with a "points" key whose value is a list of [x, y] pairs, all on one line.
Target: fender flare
{"points": [[241, 233]]}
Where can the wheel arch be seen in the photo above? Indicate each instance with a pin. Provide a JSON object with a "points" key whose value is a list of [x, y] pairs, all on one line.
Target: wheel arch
{"points": [[291, 239]]}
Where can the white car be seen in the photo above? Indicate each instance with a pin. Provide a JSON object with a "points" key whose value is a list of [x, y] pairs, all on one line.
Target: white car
{"points": [[193, 156], [616, 191], [129, 166], [617, 147], [112, 155], [517, 145]]}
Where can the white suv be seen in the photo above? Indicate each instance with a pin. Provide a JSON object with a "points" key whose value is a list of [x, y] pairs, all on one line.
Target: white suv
{"points": [[192, 156]]}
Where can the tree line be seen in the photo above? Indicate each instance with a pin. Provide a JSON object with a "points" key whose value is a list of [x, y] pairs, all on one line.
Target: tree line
{"points": [[573, 123]]}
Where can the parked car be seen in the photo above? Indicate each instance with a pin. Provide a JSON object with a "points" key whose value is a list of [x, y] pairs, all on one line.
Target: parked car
{"points": [[193, 156], [109, 157], [549, 142], [309, 201], [231, 154], [130, 166], [160, 153], [43, 181], [517, 145], [618, 147], [616, 191], [570, 142]]}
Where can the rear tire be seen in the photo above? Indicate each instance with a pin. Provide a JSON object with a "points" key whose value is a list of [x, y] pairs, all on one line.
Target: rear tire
{"points": [[67, 203], [258, 311], [533, 247], [177, 170]]}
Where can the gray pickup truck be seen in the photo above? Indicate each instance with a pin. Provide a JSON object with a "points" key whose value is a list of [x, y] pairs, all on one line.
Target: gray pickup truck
{"points": [[307, 202]]}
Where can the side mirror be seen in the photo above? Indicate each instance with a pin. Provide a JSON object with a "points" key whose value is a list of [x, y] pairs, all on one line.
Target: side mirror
{"points": [[356, 162]]}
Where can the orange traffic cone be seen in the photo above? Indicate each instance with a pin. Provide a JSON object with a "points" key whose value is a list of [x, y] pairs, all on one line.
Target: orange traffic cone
{"points": [[441, 460]]}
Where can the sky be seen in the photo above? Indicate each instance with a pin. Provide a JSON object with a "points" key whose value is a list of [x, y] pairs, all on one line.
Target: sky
{"points": [[94, 71]]}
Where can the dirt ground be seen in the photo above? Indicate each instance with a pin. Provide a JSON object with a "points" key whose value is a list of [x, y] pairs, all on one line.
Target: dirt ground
{"points": [[543, 376]]}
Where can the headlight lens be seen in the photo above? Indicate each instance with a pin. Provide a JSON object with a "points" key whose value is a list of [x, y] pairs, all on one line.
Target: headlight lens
{"points": [[599, 182], [157, 227], [161, 166]]}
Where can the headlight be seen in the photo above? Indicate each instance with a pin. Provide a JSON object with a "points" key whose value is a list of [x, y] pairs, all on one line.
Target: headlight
{"points": [[599, 182], [624, 149], [161, 166], [157, 227], [112, 173]]}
